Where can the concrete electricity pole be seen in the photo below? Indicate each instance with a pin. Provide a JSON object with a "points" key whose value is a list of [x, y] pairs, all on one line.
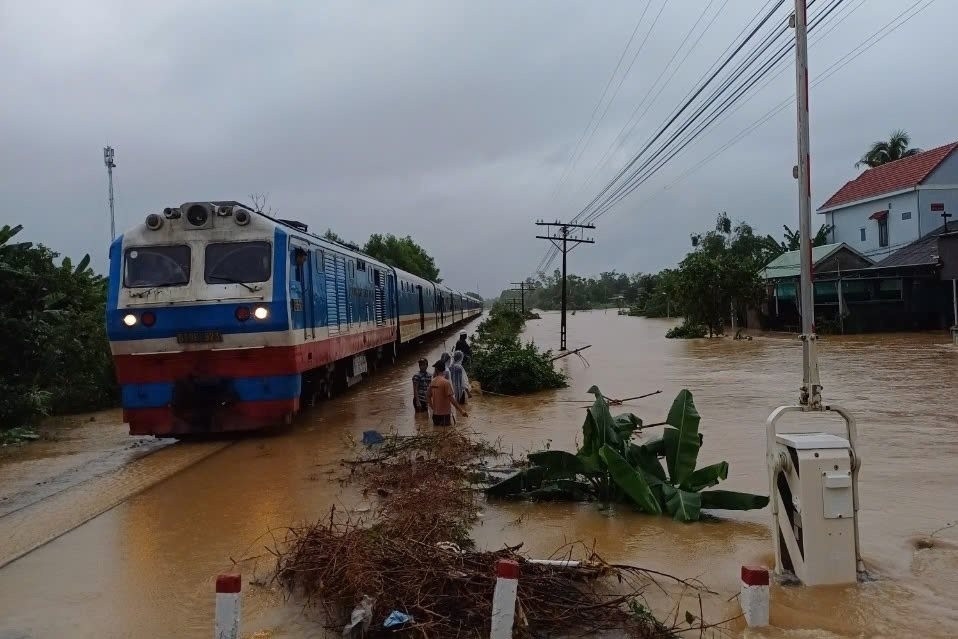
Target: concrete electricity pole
{"points": [[811, 393]]}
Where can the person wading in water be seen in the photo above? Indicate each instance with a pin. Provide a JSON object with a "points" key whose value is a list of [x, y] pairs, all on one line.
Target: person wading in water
{"points": [[442, 397], [463, 345], [420, 387]]}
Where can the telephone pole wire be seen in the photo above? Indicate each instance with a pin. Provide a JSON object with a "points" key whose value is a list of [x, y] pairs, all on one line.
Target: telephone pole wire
{"points": [[560, 239]]}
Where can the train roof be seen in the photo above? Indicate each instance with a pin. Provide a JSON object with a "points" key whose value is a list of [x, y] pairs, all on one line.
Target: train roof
{"points": [[299, 228]]}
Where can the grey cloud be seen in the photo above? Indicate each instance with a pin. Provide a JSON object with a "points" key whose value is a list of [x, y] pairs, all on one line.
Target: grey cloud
{"points": [[448, 121]]}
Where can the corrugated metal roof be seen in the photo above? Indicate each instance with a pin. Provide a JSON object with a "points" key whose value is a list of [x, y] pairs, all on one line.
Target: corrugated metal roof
{"points": [[789, 264], [894, 176], [922, 251]]}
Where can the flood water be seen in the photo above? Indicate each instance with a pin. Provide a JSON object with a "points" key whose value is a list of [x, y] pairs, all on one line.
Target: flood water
{"points": [[146, 567]]}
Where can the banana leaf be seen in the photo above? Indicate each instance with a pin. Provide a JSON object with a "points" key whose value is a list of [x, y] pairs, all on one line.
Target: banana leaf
{"points": [[630, 480], [731, 500], [644, 457], [626, 424], [562, 490], [524, 480], [681, 504], [683, 452], [670, 444], [559, 463], [706, 477]]}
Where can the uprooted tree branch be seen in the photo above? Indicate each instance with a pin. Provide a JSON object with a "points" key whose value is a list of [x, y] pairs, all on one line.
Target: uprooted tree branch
{"points": [[414, 555]]}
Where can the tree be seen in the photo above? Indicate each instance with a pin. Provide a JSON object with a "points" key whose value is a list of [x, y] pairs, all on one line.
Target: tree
{"points": [[54, 336], [793, 242], [884, 151], [722, 270], [402, 253], [333, 237]]}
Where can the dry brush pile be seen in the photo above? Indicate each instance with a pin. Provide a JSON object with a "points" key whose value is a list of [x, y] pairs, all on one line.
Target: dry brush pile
{"points": [[414, 555]]}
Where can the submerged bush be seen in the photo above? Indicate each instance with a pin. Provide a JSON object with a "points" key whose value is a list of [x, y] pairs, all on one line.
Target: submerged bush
{"points": [[501, 363], [687, 330]]}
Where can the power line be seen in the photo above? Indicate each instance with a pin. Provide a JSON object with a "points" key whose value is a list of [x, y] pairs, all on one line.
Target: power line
{"points": [[624, 76], [650, 98], [605, 196], [827, 73], [551, 255], [595, 109], [652, 165]]}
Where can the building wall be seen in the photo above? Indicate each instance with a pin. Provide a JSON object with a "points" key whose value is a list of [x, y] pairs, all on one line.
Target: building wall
{"points": [[946, 174], [931, 220], [849, 221]]}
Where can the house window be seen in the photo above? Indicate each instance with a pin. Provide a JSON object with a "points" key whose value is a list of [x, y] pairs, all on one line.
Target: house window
{"points": [[906, 215], [883, 232], [862, 231]]}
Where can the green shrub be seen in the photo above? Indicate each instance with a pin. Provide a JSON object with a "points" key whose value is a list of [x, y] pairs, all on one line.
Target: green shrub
{"points": [[54, 336], [501, 363], [686, 331]]}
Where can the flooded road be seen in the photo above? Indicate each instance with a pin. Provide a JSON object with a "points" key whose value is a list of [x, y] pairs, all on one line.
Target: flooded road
{"points": [[146, 567]]}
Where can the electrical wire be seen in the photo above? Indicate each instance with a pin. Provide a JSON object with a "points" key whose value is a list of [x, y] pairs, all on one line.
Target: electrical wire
{"points": [[598, 104], [650, 98], [657, 161], [827, 73], [609, 193]]}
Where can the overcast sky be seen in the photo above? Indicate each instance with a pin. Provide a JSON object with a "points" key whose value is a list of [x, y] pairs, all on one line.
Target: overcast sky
{"points": [[450, 121]]}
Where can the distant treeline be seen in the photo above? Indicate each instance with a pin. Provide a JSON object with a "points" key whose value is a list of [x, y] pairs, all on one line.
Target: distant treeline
{"points": [[719, 276], [54, 349]]}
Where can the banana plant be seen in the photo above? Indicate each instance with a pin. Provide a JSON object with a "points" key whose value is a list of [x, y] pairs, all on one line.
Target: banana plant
{"points": [[609, 467]]}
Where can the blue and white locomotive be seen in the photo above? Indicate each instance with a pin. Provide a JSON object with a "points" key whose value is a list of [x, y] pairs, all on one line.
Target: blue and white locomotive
{"points": [[221, 318]]}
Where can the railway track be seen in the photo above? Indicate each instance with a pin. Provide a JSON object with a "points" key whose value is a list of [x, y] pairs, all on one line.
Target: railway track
{"points": [[33, 518]]}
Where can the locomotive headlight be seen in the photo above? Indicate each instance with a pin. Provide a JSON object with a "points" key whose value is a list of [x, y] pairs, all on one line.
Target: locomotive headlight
{"points": [[129, 319], [261, 312]]}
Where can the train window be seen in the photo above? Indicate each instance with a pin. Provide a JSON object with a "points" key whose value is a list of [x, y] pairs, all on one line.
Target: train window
{"points": [[153, 266], [360, 265], [238, 262], [320, 265]]}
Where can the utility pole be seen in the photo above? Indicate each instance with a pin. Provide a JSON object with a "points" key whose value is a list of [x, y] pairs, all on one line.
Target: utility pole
{"points": [[110, 165], [555, 237], [810, 397], [523, 287]]}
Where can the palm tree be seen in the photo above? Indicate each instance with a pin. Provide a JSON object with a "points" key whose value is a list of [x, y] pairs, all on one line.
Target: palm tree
{"points": [[793, 239], [884, 151]]}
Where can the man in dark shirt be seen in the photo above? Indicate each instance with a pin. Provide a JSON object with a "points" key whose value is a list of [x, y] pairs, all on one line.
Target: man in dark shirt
{"points": [[463, 345], [420, 387]]}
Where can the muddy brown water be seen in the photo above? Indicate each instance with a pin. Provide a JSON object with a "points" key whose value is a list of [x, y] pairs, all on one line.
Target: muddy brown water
{"points": [[145, 568]]}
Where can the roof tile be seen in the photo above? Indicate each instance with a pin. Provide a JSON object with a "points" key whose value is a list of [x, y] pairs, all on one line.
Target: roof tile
{"points": [[901, 174]]}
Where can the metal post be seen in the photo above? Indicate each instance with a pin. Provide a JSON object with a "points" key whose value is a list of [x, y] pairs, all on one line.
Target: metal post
{"points": [[110, 164], [810, 397], [954, 301]]}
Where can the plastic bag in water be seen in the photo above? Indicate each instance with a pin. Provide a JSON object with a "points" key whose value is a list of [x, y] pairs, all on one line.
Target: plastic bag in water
{"points": [[361, 618], [396, 619]]}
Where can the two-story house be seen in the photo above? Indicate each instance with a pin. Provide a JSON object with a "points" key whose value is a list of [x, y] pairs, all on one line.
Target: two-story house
{"points": [[890, 206]]}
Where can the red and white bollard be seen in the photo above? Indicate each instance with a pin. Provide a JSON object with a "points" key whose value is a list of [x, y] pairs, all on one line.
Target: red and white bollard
{"points": [[504, 599], [227, 622], [754, 597]]}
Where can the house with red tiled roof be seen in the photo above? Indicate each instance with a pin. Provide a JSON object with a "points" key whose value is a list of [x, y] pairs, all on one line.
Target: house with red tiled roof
{"points": [[890, 206]]}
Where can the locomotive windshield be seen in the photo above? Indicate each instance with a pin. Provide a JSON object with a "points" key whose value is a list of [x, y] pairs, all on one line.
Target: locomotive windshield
{"points": [[152, 266], [238, 262]]}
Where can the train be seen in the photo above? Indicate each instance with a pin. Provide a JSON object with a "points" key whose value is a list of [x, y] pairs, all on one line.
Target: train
{"points": [[223, 318]]}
